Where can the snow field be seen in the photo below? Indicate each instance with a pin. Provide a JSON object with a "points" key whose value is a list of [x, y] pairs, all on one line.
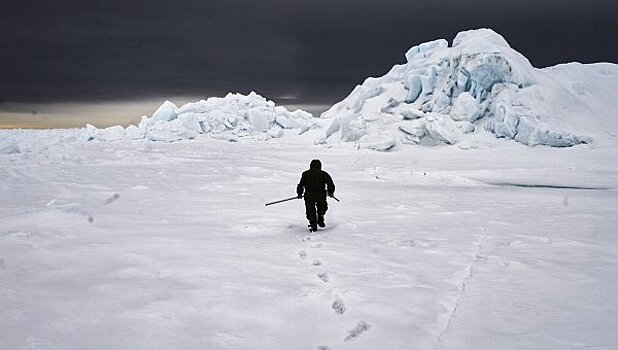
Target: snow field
{"points": [[425, 250]]}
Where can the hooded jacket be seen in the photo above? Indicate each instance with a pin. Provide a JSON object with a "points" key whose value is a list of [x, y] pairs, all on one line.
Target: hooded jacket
{"points": [[315, 182]]}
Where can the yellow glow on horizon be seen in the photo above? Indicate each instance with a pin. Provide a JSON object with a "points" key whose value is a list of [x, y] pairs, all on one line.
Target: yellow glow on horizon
{"points": [[98, 114], [75, 115]]}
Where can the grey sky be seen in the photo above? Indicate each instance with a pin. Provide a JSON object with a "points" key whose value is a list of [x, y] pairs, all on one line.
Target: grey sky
{"points": [[315, 51]]}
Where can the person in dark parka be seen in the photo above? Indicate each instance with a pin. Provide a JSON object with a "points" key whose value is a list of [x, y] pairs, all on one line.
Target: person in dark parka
{"points": [[316, 184]]}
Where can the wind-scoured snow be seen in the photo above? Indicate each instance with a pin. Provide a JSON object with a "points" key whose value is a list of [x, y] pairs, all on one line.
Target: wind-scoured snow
{"points": [[444, 95]]}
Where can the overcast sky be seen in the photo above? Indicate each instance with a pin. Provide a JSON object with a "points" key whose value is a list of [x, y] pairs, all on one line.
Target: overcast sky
{"points": [[315, 51]]}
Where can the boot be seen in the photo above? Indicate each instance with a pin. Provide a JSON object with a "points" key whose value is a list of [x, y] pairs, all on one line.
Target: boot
{"points": [[313, 227], [321, 220]]}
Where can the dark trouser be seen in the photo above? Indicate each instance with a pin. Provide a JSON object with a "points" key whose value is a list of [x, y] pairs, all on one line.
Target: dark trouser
{"points": [[314, 207]]}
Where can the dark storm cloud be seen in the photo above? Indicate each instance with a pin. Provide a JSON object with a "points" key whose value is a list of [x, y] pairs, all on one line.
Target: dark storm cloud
{"points": [[316, 50]]}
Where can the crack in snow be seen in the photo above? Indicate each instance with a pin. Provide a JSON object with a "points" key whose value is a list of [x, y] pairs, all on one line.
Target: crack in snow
{"points": [[561, 187], [462, 292]]}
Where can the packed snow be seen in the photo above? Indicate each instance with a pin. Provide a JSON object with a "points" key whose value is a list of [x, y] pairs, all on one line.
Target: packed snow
{"points": [[156, 245], [446, 95]]}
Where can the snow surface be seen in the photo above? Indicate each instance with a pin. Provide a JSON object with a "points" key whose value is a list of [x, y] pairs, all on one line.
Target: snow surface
{"points": [[135, 244], [444, 95]]}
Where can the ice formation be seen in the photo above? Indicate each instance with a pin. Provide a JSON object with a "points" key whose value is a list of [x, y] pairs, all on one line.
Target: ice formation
{"points": [[233, 116], [442, 94]]}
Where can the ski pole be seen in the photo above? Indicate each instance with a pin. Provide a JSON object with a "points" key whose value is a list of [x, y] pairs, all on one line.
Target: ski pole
{"points": [[282, 200], [335, 198]]}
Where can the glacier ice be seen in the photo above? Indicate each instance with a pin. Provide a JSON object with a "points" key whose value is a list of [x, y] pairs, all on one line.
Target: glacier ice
{"points": [[441, 95], [477, 84], [260, 119], [166, 112], [380, 142], [424, 50], [233, 115], [466, 107]]}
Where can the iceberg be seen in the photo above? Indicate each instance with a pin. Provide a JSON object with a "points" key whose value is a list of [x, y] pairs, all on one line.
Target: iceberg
{"points": [[234, 115], [166, 112], [443, 94]]}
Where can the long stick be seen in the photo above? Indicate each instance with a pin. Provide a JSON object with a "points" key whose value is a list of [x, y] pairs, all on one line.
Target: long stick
{"points": [[292, 198], [283, 200]]}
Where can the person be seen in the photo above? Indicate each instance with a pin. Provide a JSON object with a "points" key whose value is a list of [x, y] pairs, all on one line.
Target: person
{"points": [[315, 183]]}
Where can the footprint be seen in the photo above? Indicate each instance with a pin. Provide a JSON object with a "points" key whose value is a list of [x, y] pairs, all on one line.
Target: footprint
{"points": [[339, 306], [311, 242], [324, 277], [408, 243], [317, 262], [302, 254], [2, 267], [112, 199], [355, 332], [323, 347]]}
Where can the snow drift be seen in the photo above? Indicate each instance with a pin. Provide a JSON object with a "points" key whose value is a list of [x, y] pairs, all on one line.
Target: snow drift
{"points": [[443, 94], [234, 115]]}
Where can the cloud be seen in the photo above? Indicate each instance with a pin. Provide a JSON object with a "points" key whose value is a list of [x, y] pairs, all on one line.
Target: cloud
{"points": [[314, 50]]}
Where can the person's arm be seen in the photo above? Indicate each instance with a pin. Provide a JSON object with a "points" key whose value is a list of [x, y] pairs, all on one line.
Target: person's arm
{"points": [[330, 185], [301, 186]]}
